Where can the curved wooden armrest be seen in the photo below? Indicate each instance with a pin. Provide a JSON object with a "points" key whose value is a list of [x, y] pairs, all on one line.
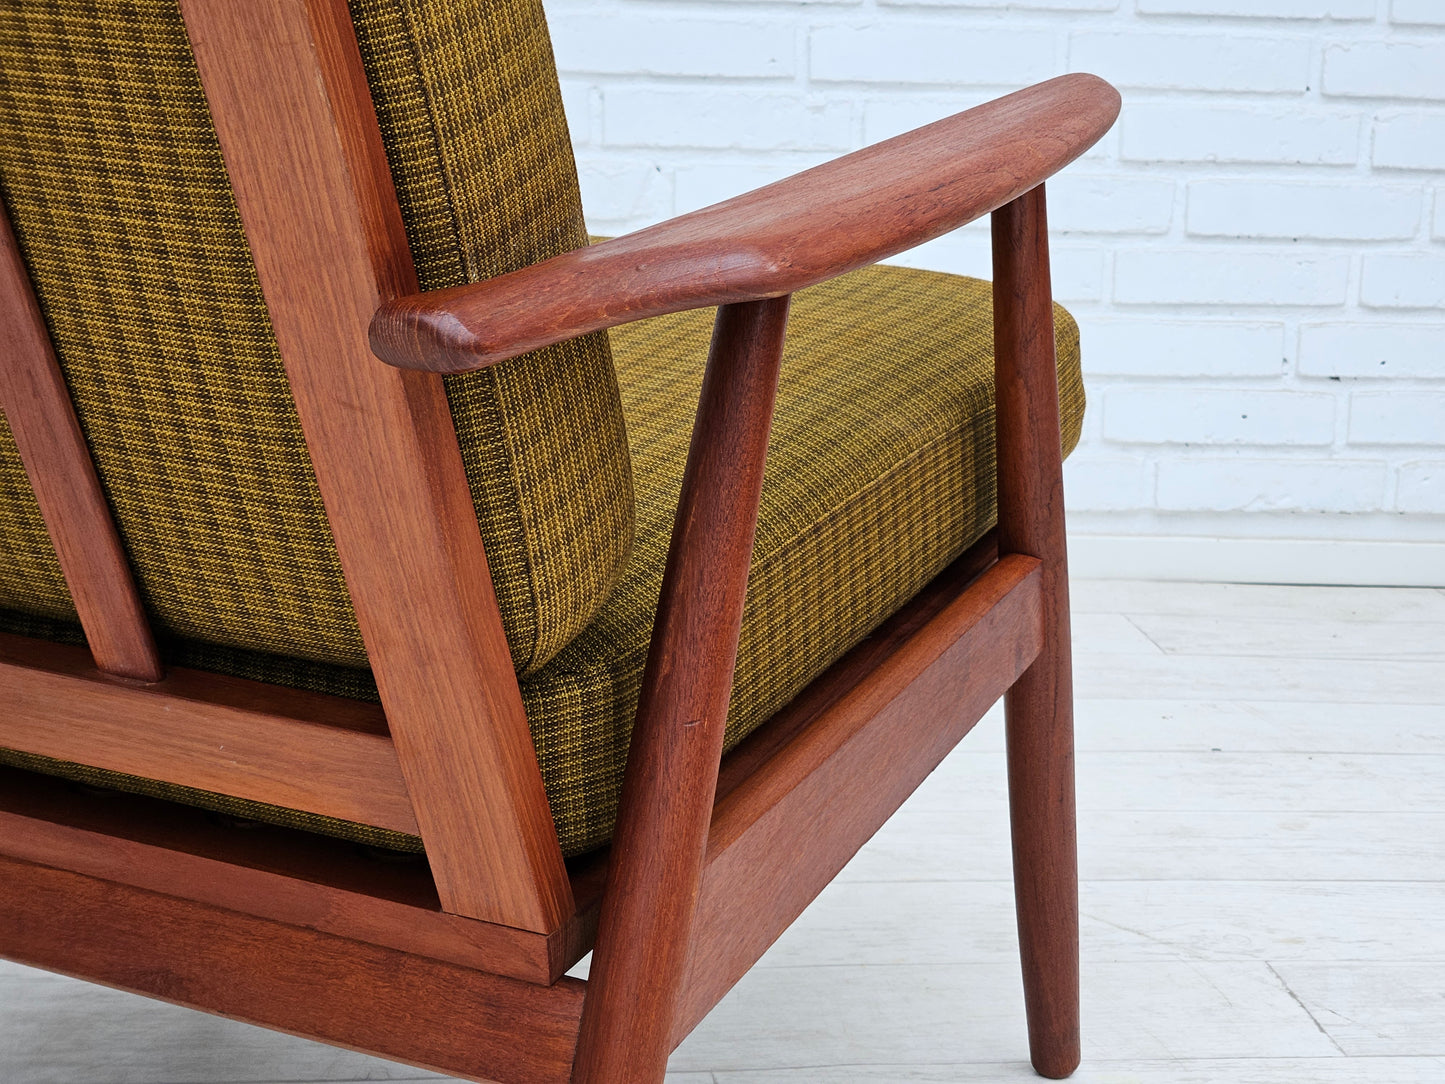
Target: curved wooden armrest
{"points": [[835, 218]]}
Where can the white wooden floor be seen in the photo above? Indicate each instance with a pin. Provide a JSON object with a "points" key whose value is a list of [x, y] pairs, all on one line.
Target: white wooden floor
{"points": [[1262, 793]]}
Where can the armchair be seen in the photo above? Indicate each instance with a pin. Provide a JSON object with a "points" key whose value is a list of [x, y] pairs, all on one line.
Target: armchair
{"points": [[741, 796]]}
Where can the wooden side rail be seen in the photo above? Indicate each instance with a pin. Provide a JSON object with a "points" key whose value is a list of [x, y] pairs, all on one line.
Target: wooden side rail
{"points": [[281, 874], [821, 223], [290, 748], [36, 403], [426, 1012]]}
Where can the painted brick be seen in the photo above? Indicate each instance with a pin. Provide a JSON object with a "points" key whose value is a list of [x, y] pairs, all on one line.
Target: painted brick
{"points": [[1421, 487], [1397, 417], [1218, 416], [1386, 69], [721, 118], [1405, 281], [1193, 61], [644, 44], [1263, 9], [1181, 131], [1349, 212], [620, 192], [1146, 347], [712, 182], [577, 103], [1095, 483], [1087, 203], [1173, 242], [884, 118], [1409, 141], [1077, 270], [1419, 12], [1373, 350], [1271, 485], [1228, 276], [933, 53]]}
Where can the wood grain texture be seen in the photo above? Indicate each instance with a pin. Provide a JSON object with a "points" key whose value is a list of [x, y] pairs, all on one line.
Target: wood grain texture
{"points": [[658, 847], [835, 218], [782, 833], [425, 1012], [267, 871], [288, 94], [37, 405], [1039, 708], [299, 750]]}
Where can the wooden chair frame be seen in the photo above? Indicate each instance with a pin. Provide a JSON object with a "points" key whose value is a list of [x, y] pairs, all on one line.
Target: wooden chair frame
{"points": [[458, 964]]}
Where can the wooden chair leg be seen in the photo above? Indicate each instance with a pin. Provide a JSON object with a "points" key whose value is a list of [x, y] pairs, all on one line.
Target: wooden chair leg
{"points": [[1039, 707], [645, 927]]}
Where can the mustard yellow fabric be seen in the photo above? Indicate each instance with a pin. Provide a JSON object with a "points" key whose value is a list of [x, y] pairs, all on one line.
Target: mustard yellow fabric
{"points": [[115, 183], [880, 471]]}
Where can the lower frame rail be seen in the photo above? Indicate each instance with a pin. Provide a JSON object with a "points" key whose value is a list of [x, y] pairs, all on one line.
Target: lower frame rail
{"points": [[352, 994]]}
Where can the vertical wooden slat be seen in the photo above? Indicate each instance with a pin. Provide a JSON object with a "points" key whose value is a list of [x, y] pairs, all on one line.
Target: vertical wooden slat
{"points": [[1039, 708], [289, 98], [645, 927], [57, 460]]}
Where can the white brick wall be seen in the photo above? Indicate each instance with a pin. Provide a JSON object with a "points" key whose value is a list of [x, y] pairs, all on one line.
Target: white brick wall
{"points": [[1256, 253]]}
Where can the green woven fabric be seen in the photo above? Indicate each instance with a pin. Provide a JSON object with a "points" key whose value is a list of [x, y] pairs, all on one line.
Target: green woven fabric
{"points": [[880, 472], [29, 572], [116, 186]]}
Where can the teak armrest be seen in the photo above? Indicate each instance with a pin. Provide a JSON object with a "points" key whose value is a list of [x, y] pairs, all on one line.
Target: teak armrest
{"points": [[823, 222]]}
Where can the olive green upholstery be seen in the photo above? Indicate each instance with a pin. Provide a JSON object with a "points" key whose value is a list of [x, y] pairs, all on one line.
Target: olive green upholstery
{"points": [[119, 196], [880, 471]]}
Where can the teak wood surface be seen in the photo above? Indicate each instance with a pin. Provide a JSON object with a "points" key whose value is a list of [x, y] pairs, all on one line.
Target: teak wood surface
{"points": [[456, 962], [288, 94], [47, 433], [285, 747], [821, 223]]}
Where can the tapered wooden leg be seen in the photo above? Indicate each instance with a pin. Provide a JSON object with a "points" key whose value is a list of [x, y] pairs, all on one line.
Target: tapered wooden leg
{"points": [[658, 848], [1039, 707]]}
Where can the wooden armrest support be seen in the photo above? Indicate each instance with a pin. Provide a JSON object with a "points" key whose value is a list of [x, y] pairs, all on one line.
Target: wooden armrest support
{"points": [[835, 218]]}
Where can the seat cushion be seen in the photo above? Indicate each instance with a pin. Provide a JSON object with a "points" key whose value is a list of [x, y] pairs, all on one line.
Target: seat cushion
{"points": [[880, 472], [115, 182]]}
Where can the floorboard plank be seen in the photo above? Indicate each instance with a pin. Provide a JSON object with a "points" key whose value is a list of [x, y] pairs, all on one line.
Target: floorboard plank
{"points": [[1372, 1009], [1121, 846], [1202, 1071], [1114, 725], [972, 780], [818, 1016], [1253, 678], [1322, 638], [1254, 600], [958, 923]]}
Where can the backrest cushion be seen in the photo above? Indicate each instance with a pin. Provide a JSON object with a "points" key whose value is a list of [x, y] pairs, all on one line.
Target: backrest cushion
{"points": [[120, 199]]}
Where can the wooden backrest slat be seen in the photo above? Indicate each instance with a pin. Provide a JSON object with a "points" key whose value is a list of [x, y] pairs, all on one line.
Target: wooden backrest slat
{"points": [[57, 461], [289, 98]]}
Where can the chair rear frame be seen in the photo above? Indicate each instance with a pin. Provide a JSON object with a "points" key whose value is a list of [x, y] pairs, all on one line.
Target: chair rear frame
{"points": [[459, 967]]}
